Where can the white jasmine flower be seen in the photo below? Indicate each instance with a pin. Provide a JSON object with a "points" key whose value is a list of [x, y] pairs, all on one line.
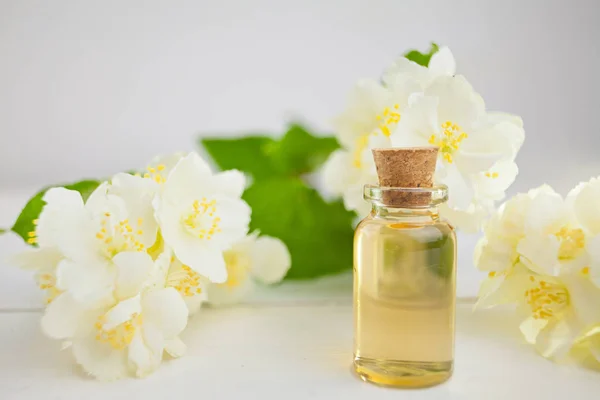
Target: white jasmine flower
{"points": [[192, 287], [553, 241], [90, 238], [77, 243], [590, 341], [371, 115], [130, 335], [201, 214], [138, 191], [160, 167], [560, 309], [585, 204], [44, 259], [496, 252], [343, 178], [424, 106], [584, 201], [122, 270], [254, 259], [536, 257], [473, 146], [137, 194], [442, 63]]}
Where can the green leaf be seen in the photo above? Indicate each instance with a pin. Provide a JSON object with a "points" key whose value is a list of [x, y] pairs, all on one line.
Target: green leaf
{"points": [[318, 234], [299, 152], [33, 208], [2, 231], [251, 154], [422, 58]]}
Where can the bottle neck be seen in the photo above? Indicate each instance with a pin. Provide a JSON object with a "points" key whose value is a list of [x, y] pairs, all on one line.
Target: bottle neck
{"points": [[424, 215]]}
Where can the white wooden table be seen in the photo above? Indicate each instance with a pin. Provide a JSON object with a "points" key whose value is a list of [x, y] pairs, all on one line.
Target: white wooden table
{"points": [[292, 342]]}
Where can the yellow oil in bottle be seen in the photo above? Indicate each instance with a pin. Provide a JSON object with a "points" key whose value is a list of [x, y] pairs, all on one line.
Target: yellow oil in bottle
{"points": [[404, 301]]}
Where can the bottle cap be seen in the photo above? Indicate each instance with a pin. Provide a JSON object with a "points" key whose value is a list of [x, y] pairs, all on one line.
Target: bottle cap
{"points": [[409, 168]]}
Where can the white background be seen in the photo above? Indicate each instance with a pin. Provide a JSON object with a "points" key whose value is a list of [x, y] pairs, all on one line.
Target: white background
{"points": [[89, 88]]}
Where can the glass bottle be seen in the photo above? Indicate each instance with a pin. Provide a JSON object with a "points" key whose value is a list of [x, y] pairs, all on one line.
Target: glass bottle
{"points": [[404, 290]]}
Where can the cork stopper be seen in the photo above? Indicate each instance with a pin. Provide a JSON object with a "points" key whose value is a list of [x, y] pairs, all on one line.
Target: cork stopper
{"points": [[406, 168]]}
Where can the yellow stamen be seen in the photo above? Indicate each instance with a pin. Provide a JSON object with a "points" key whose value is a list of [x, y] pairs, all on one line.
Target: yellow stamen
{"points": [[449, 141], [585, 270]]}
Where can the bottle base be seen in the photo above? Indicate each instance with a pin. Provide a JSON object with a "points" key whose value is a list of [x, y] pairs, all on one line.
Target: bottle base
{"points": [[407, 374]]}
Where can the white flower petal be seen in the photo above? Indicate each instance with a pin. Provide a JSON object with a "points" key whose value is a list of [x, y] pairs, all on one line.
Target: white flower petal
{"points": [[143, 359], [63, 317], [584, 297], [469, 220], [270, 260], [460, 192], [96, 202], [442, 62], [592, 246], [495, 254], [401, 87], [204, 260], [404, 68], [154, 339], [419, 121], [474, 163], [165, 163], [339, 172], [89, 283], [547, 212], [226, 294], [234, 217], [541, 253], [100, 359], [166, 310], [65, 223], [503, 289], [122, 312], [502, 138], [557, 338], [194, 303], [137, 194], [134, 269], [230, 183], [200, 255], [161, 269], [191, 175], [39, 259], [353, 200], [175, 347], [489, 294], [585, 200], [513, 215], [531, 327], [493, 183], [496, 117], [458, 102], [367, 99]]}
